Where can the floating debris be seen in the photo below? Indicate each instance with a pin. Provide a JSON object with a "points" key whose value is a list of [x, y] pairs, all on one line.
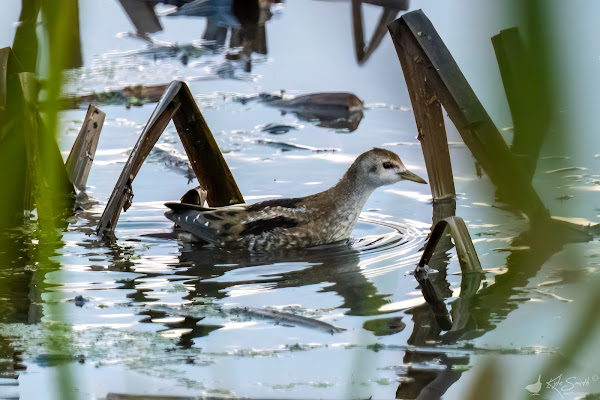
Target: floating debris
{"points": [[565, 197], [338, 110], [567, 169], [136, 95], [385, 326], [283, 146], [548, 293], [278, 129], [555, 158], [79, 300], [287, 319]]}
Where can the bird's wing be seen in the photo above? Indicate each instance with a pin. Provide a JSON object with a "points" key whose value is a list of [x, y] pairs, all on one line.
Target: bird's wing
{"points": [[214, 225]]}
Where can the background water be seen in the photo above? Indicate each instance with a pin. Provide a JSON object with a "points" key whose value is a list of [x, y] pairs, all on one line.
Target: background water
{"points": [[167, 317]]}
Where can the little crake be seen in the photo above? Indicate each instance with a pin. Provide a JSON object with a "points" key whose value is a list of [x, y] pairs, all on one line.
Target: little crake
{"points": [[321, 218]]}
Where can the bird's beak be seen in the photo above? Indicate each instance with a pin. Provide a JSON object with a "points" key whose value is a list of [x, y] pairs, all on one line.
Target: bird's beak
{"points": [[409, 176]]}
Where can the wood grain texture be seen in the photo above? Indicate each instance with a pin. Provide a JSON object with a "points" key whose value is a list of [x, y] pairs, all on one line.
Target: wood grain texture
{"points": [[177, 104], [466, 112], [83, 151]]}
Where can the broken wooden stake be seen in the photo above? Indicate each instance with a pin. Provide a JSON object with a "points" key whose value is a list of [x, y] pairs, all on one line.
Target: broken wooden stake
{"points": [[83, 151], [419, 47], [177, 103], [467, 258]]}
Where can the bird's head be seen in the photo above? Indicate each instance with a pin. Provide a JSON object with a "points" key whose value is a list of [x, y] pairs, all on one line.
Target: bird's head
{"points": [[383, 167]]}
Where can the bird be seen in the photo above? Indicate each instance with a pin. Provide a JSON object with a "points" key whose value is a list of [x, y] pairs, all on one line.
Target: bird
{"points": [[535, 387], [322, 218]]}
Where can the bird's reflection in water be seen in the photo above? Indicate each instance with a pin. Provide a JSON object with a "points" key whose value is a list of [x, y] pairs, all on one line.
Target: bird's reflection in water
{"points": [[337, 264]]}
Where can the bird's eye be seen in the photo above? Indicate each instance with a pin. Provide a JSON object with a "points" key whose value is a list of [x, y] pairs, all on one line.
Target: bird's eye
{"points": [[387, 165]]}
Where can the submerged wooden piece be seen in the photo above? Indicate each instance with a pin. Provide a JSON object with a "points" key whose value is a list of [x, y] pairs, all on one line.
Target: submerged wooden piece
{"points": [[205, 157], [415, 37], [137, 95], [469, 264], [82, 153]]}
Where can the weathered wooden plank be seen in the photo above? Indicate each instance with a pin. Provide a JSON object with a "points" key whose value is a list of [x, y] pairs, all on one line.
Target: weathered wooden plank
{"points": [[467, 256], [469, 265], [122, 194], [429, 119], [201, 148], [528, 106], [464, 109], [204, 153], [82, 153]]}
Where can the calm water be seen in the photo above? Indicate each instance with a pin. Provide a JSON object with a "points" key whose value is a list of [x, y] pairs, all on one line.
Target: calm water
{"points": [[170, 317]]}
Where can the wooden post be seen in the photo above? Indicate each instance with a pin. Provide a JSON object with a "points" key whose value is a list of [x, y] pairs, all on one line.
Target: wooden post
{"points": [[469, 266], [416, 39], [529, 107], [204, 153], [82, 153], [430, 123], [122, 194], [205, 157]]}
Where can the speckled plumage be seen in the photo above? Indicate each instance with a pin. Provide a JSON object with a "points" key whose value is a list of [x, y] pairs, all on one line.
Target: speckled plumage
{"points": [[321, 218]]}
